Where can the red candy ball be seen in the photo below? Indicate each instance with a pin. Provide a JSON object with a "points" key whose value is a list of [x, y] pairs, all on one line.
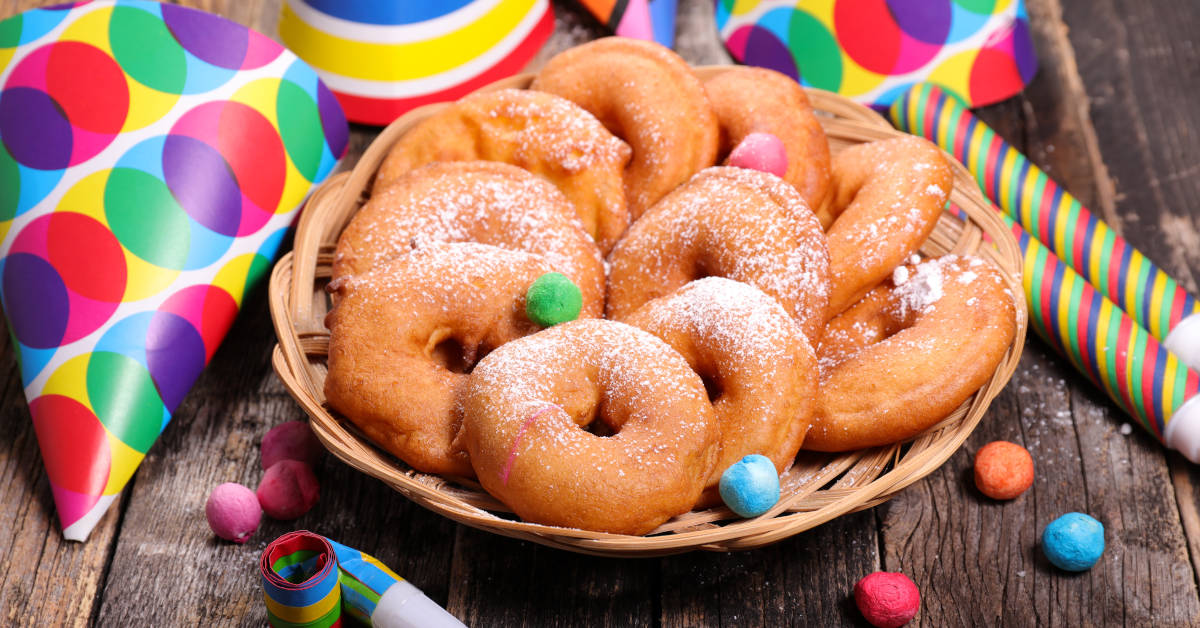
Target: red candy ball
{"points": [[291, 441], [288, 490], [887, 600], [1003, 470]]}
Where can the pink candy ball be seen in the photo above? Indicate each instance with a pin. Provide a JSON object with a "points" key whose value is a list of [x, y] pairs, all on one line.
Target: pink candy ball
{"points": [[291, 441], [760, 151], [288, 490], [233, 512], [887, 600]]}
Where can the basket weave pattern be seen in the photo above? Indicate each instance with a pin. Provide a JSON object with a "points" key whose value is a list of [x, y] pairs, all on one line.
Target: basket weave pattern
{"points": [[817, 488]]}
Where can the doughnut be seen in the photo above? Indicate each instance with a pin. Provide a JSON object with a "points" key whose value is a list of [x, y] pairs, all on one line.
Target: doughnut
{"points": [[742, 224], [757, 100], [646, 95], [403, 336], [888, 196], [758, 367], [547, 135], [527, 408], [910, 352], [475, 201]]}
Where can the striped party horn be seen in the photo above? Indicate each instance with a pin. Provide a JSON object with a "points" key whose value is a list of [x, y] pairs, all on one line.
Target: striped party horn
{"points": [[1054, 217], [1144, 378], [300, 582]]}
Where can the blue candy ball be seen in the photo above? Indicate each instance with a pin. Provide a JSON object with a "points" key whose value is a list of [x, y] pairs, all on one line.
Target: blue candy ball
{"points": [[1073, 542], [750, 486]]}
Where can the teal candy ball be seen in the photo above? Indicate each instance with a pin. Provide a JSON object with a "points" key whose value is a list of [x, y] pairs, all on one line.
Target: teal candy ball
{"points": [[1073, 542], [750, 486], [553, 299]]}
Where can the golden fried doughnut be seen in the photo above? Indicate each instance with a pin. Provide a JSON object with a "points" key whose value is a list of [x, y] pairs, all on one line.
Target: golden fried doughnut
{"points": [[888, 196], [528, 403], [910, 352], [473, 201], [757, 100], [403, 336], [726, 222], [758, 367], [542, 133], [647, 95]]}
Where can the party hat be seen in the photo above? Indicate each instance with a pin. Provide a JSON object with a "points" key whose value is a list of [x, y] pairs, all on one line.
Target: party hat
{"points": [[383, 58], [152, 158], [872, 51], [640, 19]]}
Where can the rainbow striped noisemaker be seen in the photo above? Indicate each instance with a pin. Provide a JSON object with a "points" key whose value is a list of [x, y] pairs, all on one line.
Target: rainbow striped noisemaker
{"points": [[382, 59]]}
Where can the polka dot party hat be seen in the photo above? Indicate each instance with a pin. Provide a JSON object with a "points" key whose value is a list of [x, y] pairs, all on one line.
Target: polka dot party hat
{"points": [[152, 158]]}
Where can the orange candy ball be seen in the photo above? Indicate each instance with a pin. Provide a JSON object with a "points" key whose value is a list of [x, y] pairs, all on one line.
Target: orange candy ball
{"points": [[1003, 470]]}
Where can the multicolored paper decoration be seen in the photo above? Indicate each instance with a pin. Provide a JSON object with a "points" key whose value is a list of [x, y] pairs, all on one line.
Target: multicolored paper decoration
{"points": [[1083, 241], [640, 19], [873, 50], [382, 59], [310, 580], [151, 160]]}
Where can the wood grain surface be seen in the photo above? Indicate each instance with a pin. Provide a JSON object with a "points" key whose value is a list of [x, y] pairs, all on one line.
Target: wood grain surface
{"points": [[1111, 116]]}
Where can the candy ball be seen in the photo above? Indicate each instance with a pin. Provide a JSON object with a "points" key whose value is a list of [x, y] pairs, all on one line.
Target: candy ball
{"points": [[291, 441], [233, 512], [760, 151], [750, 486], [1073, 542], [553, 299], [288, 490], [1003, 470], [887, 600]]}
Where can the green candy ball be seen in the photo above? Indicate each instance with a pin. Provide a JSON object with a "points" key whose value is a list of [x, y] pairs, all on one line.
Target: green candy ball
{"points": [[553, 299]]}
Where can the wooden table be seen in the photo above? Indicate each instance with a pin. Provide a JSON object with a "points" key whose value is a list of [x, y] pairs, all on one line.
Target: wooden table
{"points": [[1112, 115]]}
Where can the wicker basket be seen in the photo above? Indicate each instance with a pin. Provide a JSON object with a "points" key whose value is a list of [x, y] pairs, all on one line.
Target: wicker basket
{"points": [[816, 489]]}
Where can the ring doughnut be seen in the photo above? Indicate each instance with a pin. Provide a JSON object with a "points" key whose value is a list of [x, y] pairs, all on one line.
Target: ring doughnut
{"points": [[527, 406], [910, 352], [549, 136], [403, 336], [758, 367], [742, 224], [749, 100], [473, 201], [647, 95], [888, 196]]}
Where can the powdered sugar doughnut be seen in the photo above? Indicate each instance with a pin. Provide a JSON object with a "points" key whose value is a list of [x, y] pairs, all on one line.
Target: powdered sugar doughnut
{"points": [[742, 224], [751, 100], [647, 95], [542, 133], [528, 405], [403, 336], [911, 352], [758, 367], [888, 197], [473, 201]]}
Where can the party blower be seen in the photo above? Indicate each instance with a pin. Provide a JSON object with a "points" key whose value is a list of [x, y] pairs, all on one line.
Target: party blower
{"points": [[152, 158], [311, 581]]}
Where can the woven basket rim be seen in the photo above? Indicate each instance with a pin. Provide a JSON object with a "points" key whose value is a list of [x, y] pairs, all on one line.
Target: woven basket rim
{"points": [[818, 488]]}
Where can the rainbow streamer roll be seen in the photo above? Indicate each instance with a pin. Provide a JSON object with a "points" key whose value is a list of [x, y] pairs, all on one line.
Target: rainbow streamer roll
{"points": [[383, 58], [152, 158], [310, 580], [1050, 214]]}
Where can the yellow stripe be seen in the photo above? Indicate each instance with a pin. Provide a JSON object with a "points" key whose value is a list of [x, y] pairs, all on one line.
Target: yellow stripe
{"points": [[943, 125], [1168, 391], [1027, 199], [1059, 228], [1094, 262], [382, 567], [1007, 169], [1070, 344], [305, 614], [1131, 283], [1156, 304], [976, 145], [400, 62]]}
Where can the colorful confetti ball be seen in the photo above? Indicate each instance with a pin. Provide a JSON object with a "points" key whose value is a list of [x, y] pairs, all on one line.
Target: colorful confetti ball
{"points": [[750, 486], [233, 512], [553, 299], [886, 599], [760, 151], [1073, 542], [1003, 470], [288, 490], [291, 441]]}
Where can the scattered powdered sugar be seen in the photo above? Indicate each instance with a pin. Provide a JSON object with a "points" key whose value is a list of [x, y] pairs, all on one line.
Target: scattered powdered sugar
{"points": [[924, 288]]}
